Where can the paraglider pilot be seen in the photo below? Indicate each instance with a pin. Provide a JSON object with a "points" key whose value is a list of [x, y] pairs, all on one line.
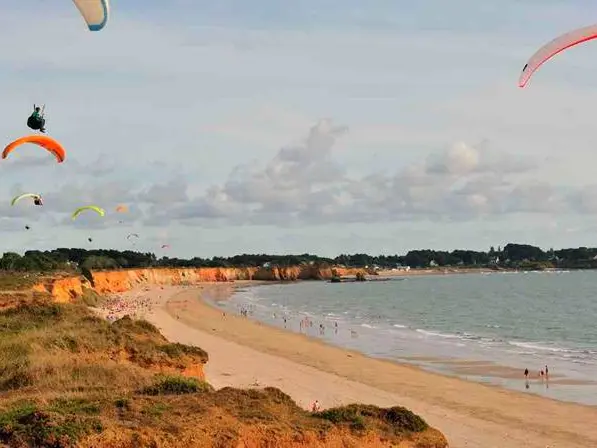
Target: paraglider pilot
{"points": [[36, 120], [37, 200]]}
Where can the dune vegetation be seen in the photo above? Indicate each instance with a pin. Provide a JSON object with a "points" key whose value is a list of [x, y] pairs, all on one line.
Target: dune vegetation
{"points": [[70, 378]]}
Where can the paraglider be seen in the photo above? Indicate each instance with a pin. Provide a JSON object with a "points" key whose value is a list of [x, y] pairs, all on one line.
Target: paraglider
{"points": [[132, 234], [36, 198], [95, 13], [90, 240], [122, 209], [27, 227], [45, 142], [165, 246], [554, 47], [36, 120], [100, 211]]}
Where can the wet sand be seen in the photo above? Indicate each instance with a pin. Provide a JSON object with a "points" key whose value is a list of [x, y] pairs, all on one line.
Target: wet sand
{"points": [[244, 353]]}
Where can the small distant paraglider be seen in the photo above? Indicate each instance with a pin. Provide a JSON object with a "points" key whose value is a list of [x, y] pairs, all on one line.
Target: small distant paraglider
{"points": [[100, 211], [36, 198], [131, 237], [121, 209]]}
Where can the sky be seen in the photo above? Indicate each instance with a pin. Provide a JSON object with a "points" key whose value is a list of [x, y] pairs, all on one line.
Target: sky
{"points": [[327, 126]]}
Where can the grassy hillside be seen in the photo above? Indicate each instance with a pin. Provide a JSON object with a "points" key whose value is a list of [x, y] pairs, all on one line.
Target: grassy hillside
{"points": [[69, 378]]}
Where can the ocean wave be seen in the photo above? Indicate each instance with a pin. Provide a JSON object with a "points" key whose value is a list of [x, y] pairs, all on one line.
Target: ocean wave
{"points": [[436, 334], [399, 326], [537, 346], [563, 352]]}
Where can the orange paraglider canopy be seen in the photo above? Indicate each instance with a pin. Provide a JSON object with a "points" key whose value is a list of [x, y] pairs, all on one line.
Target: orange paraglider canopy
{"points": [[45, 142]]}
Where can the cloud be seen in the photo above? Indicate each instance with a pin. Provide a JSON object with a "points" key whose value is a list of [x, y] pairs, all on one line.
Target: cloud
{"points": [[169, 193], [304, 184]]}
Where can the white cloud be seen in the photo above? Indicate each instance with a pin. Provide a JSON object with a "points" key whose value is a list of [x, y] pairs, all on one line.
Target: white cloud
{"points": [[304, 184]]}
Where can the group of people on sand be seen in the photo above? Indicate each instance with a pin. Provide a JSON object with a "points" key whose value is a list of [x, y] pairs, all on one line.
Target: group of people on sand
{"points": [[118, 307], [306, 323], [543, 375], [246, 311]]}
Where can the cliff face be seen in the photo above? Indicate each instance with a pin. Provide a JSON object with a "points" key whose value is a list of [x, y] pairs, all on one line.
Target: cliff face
{"points": [[108, 282]]}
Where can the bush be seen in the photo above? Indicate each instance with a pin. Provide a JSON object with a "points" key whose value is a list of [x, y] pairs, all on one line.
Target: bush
{"points": [[399, 419], [403, 419], [176, 385], [44, 428]]}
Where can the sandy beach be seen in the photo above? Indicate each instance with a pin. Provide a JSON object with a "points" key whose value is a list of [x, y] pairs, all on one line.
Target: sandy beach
{"points": [[244, 353]]}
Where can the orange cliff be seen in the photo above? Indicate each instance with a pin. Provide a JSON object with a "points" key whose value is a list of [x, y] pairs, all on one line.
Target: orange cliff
{"points": [[109, 282]]}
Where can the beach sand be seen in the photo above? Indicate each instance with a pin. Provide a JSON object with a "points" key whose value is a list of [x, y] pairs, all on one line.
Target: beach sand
{"points": [[244, 353]]}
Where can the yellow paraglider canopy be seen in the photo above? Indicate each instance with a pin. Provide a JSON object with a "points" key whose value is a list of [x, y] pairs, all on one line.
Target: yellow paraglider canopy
{"points": [[100, 211]]}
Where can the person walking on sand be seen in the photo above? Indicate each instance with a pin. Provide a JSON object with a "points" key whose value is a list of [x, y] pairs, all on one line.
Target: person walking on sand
{"points": [[526, 373], [546, 373]]}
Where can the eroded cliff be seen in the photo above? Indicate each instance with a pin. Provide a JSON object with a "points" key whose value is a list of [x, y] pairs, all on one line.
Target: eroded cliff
{"points": [[66, 289]]}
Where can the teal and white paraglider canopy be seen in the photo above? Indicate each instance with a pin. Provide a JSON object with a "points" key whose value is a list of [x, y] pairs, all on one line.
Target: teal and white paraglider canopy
{"points": [[95, 12]]}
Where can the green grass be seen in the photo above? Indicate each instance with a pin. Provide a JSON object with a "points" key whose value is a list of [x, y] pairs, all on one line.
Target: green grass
{"points": [[27, 424], [176, 385], [65, 346], [91, 298], [360, 417], [10, 281]]}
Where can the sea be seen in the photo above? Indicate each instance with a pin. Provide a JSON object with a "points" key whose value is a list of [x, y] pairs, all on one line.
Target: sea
{"points": [[485, 327]]}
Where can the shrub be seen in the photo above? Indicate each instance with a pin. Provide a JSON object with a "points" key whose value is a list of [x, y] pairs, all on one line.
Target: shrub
{"points": [[176, 385]]}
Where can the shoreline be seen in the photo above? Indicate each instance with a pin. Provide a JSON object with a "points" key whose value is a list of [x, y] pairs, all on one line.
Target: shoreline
{"points": [[245, 353], [460, 366], [418, 346]]}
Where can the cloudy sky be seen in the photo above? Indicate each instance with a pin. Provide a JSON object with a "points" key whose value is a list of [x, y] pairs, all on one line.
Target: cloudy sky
{"points": [[326, 126]]}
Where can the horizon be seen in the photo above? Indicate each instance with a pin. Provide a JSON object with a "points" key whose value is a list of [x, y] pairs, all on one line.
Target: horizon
{"points": [[327, 127], [496, 248]]}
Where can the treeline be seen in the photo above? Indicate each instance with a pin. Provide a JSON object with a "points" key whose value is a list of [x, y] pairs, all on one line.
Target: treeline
{"points": [[510, 256]]}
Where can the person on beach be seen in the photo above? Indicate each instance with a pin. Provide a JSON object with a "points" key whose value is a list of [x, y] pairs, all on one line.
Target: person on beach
{"points": [[526, 373], [546, 373]]}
